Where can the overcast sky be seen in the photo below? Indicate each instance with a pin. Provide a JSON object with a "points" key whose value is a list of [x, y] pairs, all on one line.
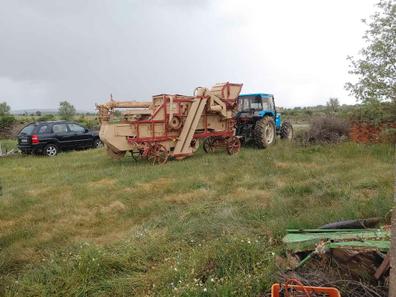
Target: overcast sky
{"points": [[83, 50]]}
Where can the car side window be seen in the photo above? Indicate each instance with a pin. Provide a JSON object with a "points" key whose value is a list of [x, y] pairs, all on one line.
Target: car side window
{"points": [[43, 129], [59, 128], [76, 128]]}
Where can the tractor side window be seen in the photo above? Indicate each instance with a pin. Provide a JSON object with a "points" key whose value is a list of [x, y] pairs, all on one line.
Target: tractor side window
{"points": [[271, 103], [267, 104]]}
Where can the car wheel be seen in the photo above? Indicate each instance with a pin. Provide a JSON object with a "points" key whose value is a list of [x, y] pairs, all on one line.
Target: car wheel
{"points": [[50, 150], [97, 143]]}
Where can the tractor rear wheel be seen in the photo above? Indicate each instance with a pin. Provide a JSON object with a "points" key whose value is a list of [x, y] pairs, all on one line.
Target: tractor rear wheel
{"points": [[286, 131], [264, 132]]}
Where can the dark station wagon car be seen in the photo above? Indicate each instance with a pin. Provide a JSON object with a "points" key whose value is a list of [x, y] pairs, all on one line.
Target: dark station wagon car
{"points": [[49, 138]]}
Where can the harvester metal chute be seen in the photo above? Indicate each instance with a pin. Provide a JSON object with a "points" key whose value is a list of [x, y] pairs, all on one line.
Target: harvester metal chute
{"points": [[172, 125]]}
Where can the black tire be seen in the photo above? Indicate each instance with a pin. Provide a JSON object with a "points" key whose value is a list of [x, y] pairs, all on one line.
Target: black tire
{"points": [[97, 143], [264, 132], [286, 131], [51, 150]]}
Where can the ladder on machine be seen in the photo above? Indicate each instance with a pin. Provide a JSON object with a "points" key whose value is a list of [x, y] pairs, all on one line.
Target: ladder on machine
{"points": [[183, 145]]}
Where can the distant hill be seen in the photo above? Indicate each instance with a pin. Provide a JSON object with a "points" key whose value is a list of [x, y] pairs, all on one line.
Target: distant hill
{"points": [[43, 111]]}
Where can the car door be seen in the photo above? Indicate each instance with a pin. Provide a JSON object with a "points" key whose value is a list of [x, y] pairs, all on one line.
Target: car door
{"points": [[81, 135], [62, 135]]}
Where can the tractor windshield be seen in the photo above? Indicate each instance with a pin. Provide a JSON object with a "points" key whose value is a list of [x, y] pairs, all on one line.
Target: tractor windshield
{"points": [[249, 103]]}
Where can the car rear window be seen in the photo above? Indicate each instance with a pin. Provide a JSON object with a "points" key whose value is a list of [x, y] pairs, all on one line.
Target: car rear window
{"points": [[28, 129]]}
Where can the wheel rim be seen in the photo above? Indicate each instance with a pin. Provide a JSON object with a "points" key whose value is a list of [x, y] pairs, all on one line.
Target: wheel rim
{"points": [[195, 145], [234, 146], [269, 133], [51, 151], [158, 154], [98, 144], [209, 145]]}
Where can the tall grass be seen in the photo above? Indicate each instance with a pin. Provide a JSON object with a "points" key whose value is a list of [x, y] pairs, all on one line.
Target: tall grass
{"points": [[80, 224]]}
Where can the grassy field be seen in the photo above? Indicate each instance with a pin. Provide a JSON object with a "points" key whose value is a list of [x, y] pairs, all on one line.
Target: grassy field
{"points": [[80, 224]]}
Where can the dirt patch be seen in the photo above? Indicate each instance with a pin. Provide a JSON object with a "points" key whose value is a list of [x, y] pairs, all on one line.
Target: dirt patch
{"points": [[281, 165], [38, 191], [155, 185], [114, 207], [12, 131], [6, 225], [261, 197], [185, 198], [105, 182]]}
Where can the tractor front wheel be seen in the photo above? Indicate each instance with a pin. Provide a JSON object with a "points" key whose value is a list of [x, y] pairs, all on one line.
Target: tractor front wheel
{"points": [[264, 132], [286, 131]]}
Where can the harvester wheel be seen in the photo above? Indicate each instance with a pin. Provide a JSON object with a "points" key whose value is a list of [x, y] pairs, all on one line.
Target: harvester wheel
{"points": [[115, 155], [286, 131], [264, 132], [209, 145], [136, 155], [194, 145], [158, 154], [233, 145]]}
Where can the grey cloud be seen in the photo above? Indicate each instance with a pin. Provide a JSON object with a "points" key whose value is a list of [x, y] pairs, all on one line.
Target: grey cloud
{"points": [[82, 51]]}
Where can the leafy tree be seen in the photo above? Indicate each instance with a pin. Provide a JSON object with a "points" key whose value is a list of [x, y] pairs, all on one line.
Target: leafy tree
{"points": [[376, 66], [333, 105], [4, 108], [66, 110], [38, 113]]}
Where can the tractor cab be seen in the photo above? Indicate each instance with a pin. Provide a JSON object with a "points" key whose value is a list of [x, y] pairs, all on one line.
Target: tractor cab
{"points": [[257, 106], [258, 121]]}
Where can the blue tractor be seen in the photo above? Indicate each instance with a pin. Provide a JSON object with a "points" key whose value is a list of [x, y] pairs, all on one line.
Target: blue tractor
{"points": [[258, 121]]}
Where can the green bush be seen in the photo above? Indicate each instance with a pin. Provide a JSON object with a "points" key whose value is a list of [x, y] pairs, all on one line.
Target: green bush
{"points": [[46, 117], [324, 130], [6, 121], [388, 135], [375, 112], [88, 122]]}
